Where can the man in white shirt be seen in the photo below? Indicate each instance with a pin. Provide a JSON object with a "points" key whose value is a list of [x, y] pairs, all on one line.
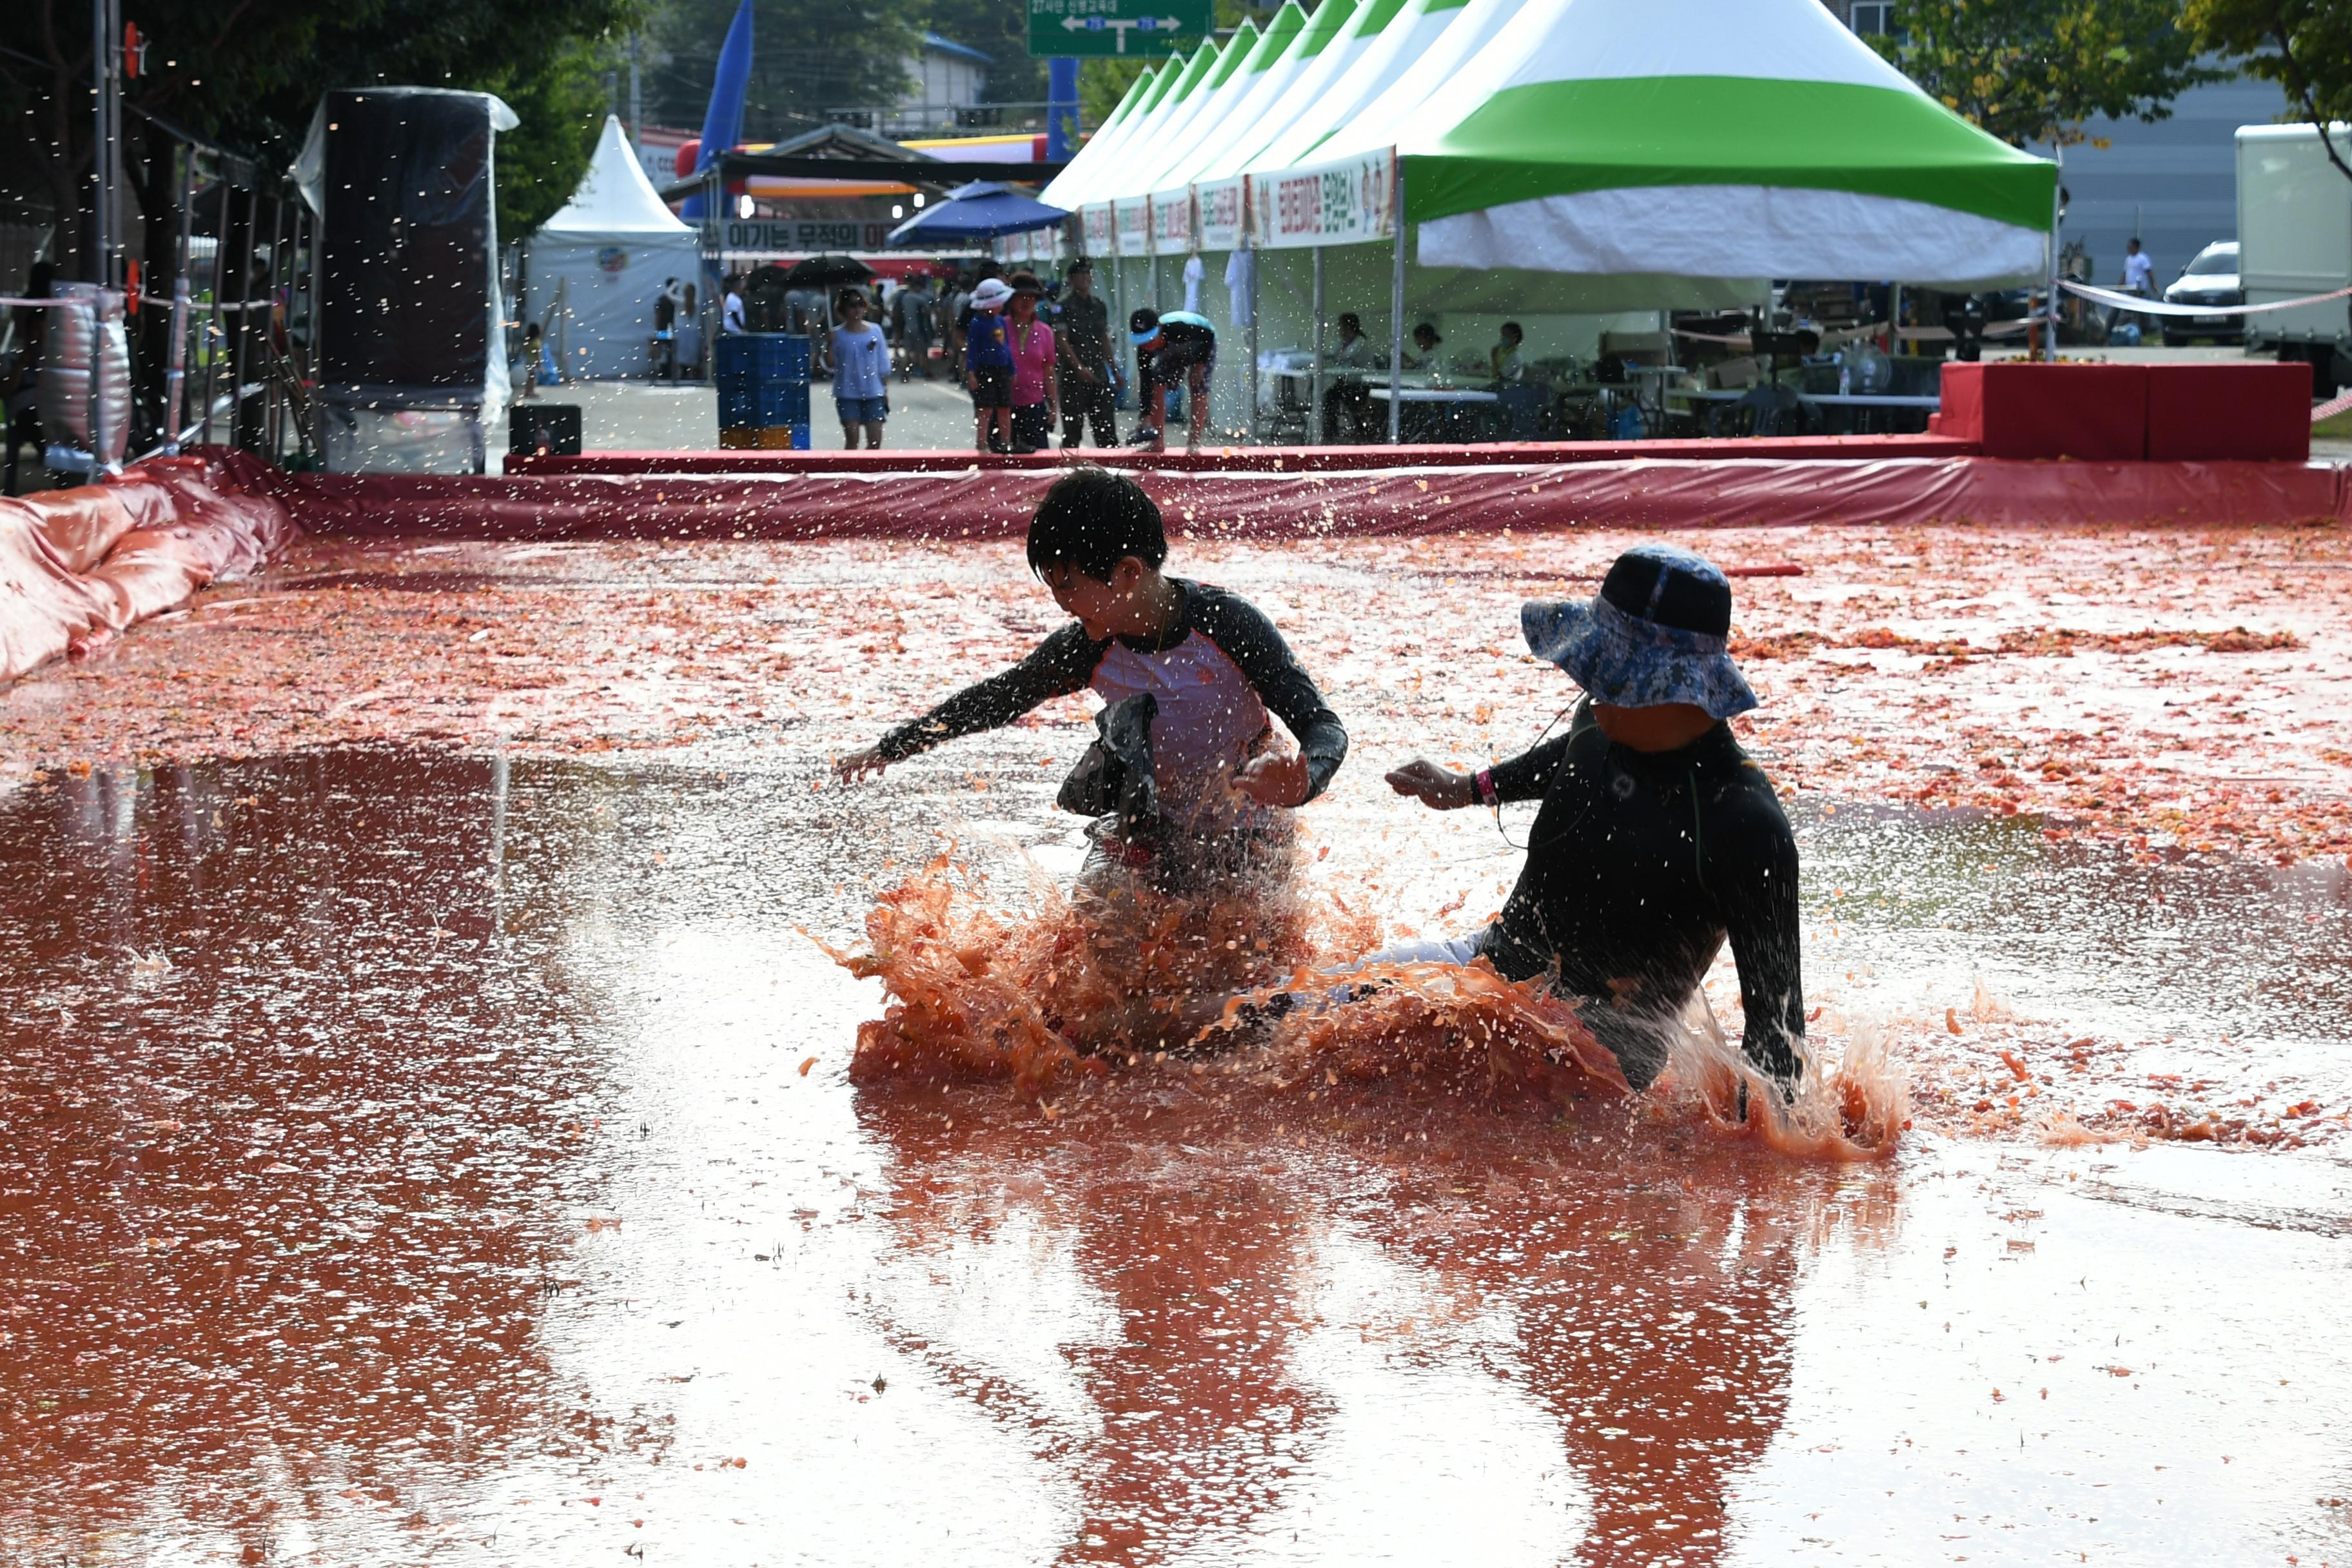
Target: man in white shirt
{"points": [[2140, 271], [731, 314]]}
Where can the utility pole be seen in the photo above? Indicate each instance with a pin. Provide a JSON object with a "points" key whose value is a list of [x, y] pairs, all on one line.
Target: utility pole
{"points": [[636, 102]]}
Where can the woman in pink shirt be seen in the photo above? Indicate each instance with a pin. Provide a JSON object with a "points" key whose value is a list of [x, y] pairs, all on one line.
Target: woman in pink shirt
{"points": [[1037, 385]]}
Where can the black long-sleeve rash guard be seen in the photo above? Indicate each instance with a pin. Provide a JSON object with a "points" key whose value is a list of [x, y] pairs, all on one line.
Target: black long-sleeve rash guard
{"points": [[1639, 866], [1215, 671]]}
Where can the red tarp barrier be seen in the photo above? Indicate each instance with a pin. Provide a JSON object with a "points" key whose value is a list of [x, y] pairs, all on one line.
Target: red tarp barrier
{"points": [[79, 565], [1644, 493], [1227, 460]]}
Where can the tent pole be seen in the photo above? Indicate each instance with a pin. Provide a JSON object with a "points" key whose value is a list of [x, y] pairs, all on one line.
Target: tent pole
{"points": [[1315, 431], [1396, 320], [2050, 330], [1250, 370]]}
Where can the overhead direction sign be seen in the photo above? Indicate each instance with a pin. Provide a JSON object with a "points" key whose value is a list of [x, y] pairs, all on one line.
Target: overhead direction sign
{"points": [[1137, 28]]}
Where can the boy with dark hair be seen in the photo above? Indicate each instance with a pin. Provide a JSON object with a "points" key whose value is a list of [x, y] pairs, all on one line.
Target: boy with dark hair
{"points": [[1195, 669]]}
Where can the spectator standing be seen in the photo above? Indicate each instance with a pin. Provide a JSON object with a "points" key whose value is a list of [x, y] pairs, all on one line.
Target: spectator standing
{"points": [[1087, 358], [916, 310], [1036, 391], [861, 372], [730, 313], [666, 332], [988, 365]]}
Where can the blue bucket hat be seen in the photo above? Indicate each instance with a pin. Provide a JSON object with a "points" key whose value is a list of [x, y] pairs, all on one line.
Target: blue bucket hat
{"points": [[1657, 632]]}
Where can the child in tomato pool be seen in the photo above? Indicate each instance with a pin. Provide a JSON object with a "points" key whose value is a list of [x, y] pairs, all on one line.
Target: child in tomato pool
{"points": [[1189, 791]]}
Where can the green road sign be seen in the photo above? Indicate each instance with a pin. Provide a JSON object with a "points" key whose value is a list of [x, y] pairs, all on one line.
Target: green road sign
{"points": [[1143, 28]]}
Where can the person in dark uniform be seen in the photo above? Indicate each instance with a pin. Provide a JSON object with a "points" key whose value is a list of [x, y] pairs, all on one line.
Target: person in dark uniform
{"points": [[1658, 839], [1084, 334], [1177, 349]]}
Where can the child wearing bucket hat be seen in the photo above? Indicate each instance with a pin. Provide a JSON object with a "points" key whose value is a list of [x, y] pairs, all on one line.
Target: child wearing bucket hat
{"points": [[988, 366], [1658, 839]]}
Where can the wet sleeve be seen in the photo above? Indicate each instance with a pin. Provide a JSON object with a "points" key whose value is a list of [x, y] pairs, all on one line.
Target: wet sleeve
{"points": [[1282, 683], [1751, 868], [1060, 664], [1528, 775]]}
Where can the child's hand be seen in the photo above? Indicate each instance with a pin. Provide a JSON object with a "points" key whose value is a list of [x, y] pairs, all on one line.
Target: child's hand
{"points": [[1439, 788], [1272, 780], [868, 763]]}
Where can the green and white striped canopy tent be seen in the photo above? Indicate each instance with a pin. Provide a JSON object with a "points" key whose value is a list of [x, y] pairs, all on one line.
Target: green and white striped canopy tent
{"points": [[1419, 49], [1098, 162], [1336, 35], [1107, 136], [1710, 139], [1184, 126], [1300, 43], [1170, 165]]}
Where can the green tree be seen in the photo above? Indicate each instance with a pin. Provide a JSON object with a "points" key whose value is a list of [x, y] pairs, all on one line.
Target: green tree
{"points": [[2305, 45], [999, 29], [248, 77], [2034, 70]]}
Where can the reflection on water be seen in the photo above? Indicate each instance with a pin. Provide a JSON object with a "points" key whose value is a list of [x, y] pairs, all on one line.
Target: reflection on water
{"points": [[405, 1158]]}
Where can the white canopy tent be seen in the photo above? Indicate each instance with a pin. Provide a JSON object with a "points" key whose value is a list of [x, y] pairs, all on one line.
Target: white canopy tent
{"points": [[602, 259]]}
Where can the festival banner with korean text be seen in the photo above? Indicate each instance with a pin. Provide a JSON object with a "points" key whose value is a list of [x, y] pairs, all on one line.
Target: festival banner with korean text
{"points": [[1134, 214], [1220, 207], [1171, 222], [1345, 203]]}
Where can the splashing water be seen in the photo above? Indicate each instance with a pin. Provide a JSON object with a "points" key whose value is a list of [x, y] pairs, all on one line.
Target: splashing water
{"points": [[1066, 988]]}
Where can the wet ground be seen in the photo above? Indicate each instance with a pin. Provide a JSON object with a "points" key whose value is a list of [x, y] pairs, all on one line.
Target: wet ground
{"points": [[441, 1147]]}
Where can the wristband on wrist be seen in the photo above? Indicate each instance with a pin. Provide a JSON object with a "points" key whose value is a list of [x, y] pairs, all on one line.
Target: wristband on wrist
{"points": [[1485, 779]]}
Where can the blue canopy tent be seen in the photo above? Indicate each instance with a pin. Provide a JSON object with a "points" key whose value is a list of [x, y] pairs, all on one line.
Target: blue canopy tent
{"points": [[981, 210]]}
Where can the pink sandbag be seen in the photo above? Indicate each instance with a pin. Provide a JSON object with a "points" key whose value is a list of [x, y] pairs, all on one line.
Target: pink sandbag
{"points": [[79, 565], [43, 607]]}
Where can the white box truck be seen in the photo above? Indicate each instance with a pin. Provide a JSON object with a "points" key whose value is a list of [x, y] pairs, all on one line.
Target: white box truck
{"points": [[2294, 239]]}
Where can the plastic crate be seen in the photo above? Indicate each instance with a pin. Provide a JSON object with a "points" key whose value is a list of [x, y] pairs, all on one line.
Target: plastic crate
{"points": [[772, 438]]}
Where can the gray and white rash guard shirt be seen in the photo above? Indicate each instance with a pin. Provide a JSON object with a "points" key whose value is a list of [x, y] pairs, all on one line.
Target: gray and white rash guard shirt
{"points": [[1215, 672]]}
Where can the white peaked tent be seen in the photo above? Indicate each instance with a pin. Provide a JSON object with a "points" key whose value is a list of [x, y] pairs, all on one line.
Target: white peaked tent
{"points": [[609, 250]]}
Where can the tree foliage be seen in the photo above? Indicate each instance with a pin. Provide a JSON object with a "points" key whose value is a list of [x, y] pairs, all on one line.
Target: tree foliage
{"points": [[2305, 45], [249, 75], [808, 56], [2034, 70]]}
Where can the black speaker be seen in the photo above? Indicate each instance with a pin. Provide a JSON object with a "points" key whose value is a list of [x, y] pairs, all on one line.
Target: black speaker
{"points": [[534, 427], [407, 231]]}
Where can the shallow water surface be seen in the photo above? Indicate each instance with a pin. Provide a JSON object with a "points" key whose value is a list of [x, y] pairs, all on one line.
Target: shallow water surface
{"points": [[416, 1158]]}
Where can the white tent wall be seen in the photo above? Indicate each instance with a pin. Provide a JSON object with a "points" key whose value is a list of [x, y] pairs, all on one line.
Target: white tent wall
{"points": [[596, 267], [606, 325]]}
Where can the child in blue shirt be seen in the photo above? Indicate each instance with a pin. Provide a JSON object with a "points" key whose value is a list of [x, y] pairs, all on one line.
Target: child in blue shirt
{"points": [[861, 372], [988, 366]]}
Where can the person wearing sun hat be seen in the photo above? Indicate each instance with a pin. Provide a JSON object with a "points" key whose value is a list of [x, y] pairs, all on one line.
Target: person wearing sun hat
{"points": [[988, 366], [1658, 839]]}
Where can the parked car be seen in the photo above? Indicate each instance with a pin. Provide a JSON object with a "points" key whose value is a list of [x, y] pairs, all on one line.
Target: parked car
{"points": [[2211, 280]]}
